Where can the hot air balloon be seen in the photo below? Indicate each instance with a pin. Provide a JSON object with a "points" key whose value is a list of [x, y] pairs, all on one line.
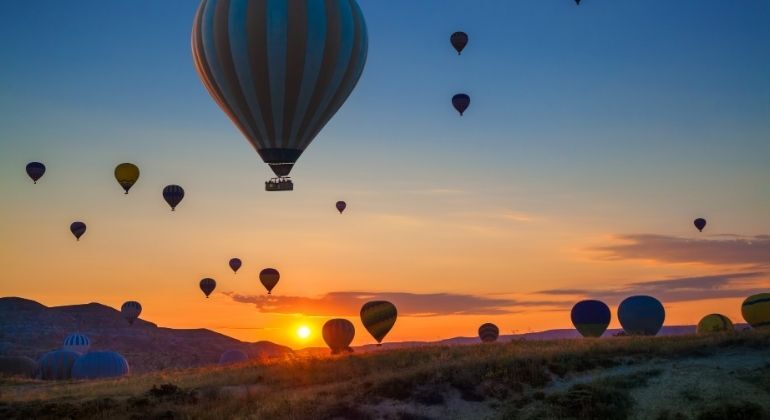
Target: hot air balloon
{"points": [[235, 264], [700, 223], [35, 170], [338, 334], [78, 229], [230, 357], [279, 69], [17, 366], [269, 278], [459, 40], [641, 315], [208, 285], [126, 174], [57, 365], [591, 317], [461, 102], [756, 310], [341, 205], [577, 2], [100, 364], [715, 323], [173, 194], [79, 343], [488, 333], [131, 310], [378, 318]]}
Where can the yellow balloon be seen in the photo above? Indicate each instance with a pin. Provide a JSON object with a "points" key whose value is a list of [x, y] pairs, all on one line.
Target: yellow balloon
{"points": [[126, 174], [756, 310], [715, 323]]}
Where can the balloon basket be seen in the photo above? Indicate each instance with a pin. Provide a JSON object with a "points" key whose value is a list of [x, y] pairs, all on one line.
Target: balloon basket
{"points": [[279, 184]]}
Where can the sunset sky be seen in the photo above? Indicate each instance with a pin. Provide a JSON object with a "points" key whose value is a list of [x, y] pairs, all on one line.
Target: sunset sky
{"points": [[595, 135]]}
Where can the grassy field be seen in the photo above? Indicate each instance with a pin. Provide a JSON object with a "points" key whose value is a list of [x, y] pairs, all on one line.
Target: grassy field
{"points": [[688, 377]]}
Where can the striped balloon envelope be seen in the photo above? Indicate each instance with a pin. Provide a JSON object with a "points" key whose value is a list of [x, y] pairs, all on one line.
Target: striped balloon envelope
{"points": [[338, 334], [173, 194], [79, 343], [591, 317], [100, 364], [57, 365], [756, 310], [131, 311], [715, 323], [488, 332], [378, 318]]}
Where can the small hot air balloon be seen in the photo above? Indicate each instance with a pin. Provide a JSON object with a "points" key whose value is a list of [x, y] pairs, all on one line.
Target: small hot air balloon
{"points": [[577, 2], [378, 318], [100, 364], [57, 365], [700, 223], [459, 40], [173, 194], [338, 334], [126, 174], [341, 205], [131, 310], [230, 357], [208, 285], [269, 278], [591, 317], [756, 310], [79, 343], [488, 333], [641, 315], [235, 264], [35, 170], [461, 102], [78, 229], [715, 323]]}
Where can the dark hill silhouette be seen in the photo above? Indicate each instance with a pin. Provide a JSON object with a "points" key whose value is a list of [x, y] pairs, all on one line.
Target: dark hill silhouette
{"points": [[28, 328]]}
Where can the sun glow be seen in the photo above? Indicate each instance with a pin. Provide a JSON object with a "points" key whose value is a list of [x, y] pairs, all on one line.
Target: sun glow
{"points": [[303, 332]]}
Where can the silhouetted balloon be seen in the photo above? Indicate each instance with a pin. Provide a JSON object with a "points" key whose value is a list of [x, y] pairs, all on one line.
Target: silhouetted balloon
{"points": [[78, 229], [235, 264], [79, 343], [173, 194], [338, 334], [35, 170], [341, 205], [378, 318], [459, 40], [577, 2], [715, 323], [230, 357], [208, 285], [269, 278], [131, 311], [700, 223], [641, 315], [488, 333], [461, 102], [100, 364], [591, 317], [126, 174], [57, 365], [279, 69], [756, 310], [18, 366]]}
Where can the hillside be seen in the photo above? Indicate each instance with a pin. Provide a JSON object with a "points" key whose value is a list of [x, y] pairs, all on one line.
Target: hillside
{"points": [[28, 328]]}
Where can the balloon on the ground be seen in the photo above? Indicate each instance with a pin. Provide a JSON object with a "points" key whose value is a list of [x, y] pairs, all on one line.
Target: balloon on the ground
{"points": [[173, 194], [756, 310], [338, 334], [459, 40], [233, 356], [78, 229], [131, 310], [100, 364], [715, 323], [461, 102], [57, 365], [641, 315], [341, 205], [378, 318], [591, 317], [235, 264], [18, 366], [208, 285], [126, 174], [488, 332], [35, 170], [77, 342], [699, 223], [269, 278]]}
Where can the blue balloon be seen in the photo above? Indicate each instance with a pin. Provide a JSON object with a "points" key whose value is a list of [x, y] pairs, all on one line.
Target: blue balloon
{"points": [[100, 364], [232, 356], [591, 317], [79, 343], [173, 194], [641, 315], [57, 365]]}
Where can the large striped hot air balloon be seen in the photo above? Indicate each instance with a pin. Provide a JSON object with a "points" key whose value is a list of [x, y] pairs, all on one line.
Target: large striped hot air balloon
{"points": [[715, 323], [338, 334], [269, 278], [126, 174], [591, 317], [756, 310], [57, 365], [641, 315], [100, 364], [488, 332], [230, 357], [35, 170], [279, 69], [79, 343], [378, 318], [131, 311]]}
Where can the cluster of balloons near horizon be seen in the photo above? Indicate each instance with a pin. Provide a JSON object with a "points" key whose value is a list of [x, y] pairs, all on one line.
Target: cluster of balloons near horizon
{"points": [[269, 278]]}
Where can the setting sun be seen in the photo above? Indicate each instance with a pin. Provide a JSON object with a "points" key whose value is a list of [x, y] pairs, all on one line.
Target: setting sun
{"points": [[303, 332]]}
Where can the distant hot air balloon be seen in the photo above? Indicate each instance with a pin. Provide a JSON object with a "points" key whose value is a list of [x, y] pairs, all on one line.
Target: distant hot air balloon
{"points": [[35, 170], [641, 315], [173, 194], [230, 357], [79, 343], [269, 278], [700, 223], [488, 333], [279, 69], [459, 40], [338, 334], [235, 264], [126, 174], [461, 102], [715, 323], [577, 2], [18, 366], [378, 318], [341, 205], [131, 311], [756, 310], [100, 364], [57, 365], [591, 317], [78, 229], [208, 285]]}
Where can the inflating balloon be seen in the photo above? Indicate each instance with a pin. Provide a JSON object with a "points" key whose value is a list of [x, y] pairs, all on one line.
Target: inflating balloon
{"points": [[269, 278], [57, 365], [378, 318], [591, 317], [700, 223], [459, 40], [715, 323], [341, 205], [338, 334], [641, 315], [35, 170], [100, 364], [208, 285], [79, 343], [173, 194], [78, 229], [488, 333], [756, 310], [126, 174], [18, 366], [461, 102], [235, 264], [131, 310]]}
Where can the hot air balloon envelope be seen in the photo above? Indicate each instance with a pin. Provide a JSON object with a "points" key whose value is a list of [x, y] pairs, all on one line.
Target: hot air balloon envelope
{"points": [[57, 365], [341, 205], [208, 285], [17, 366], [756, 310], [78, 229], [378, 318], [235, 264], [35, 170], [700, 223], [459, 40], [126, 174], [591, 317], [173, 194], [715, 323], [641, 315], [269, 278], [131, 310], [488, 333], [79, 343], [100, 364], [338, 334], [461, 102]]}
